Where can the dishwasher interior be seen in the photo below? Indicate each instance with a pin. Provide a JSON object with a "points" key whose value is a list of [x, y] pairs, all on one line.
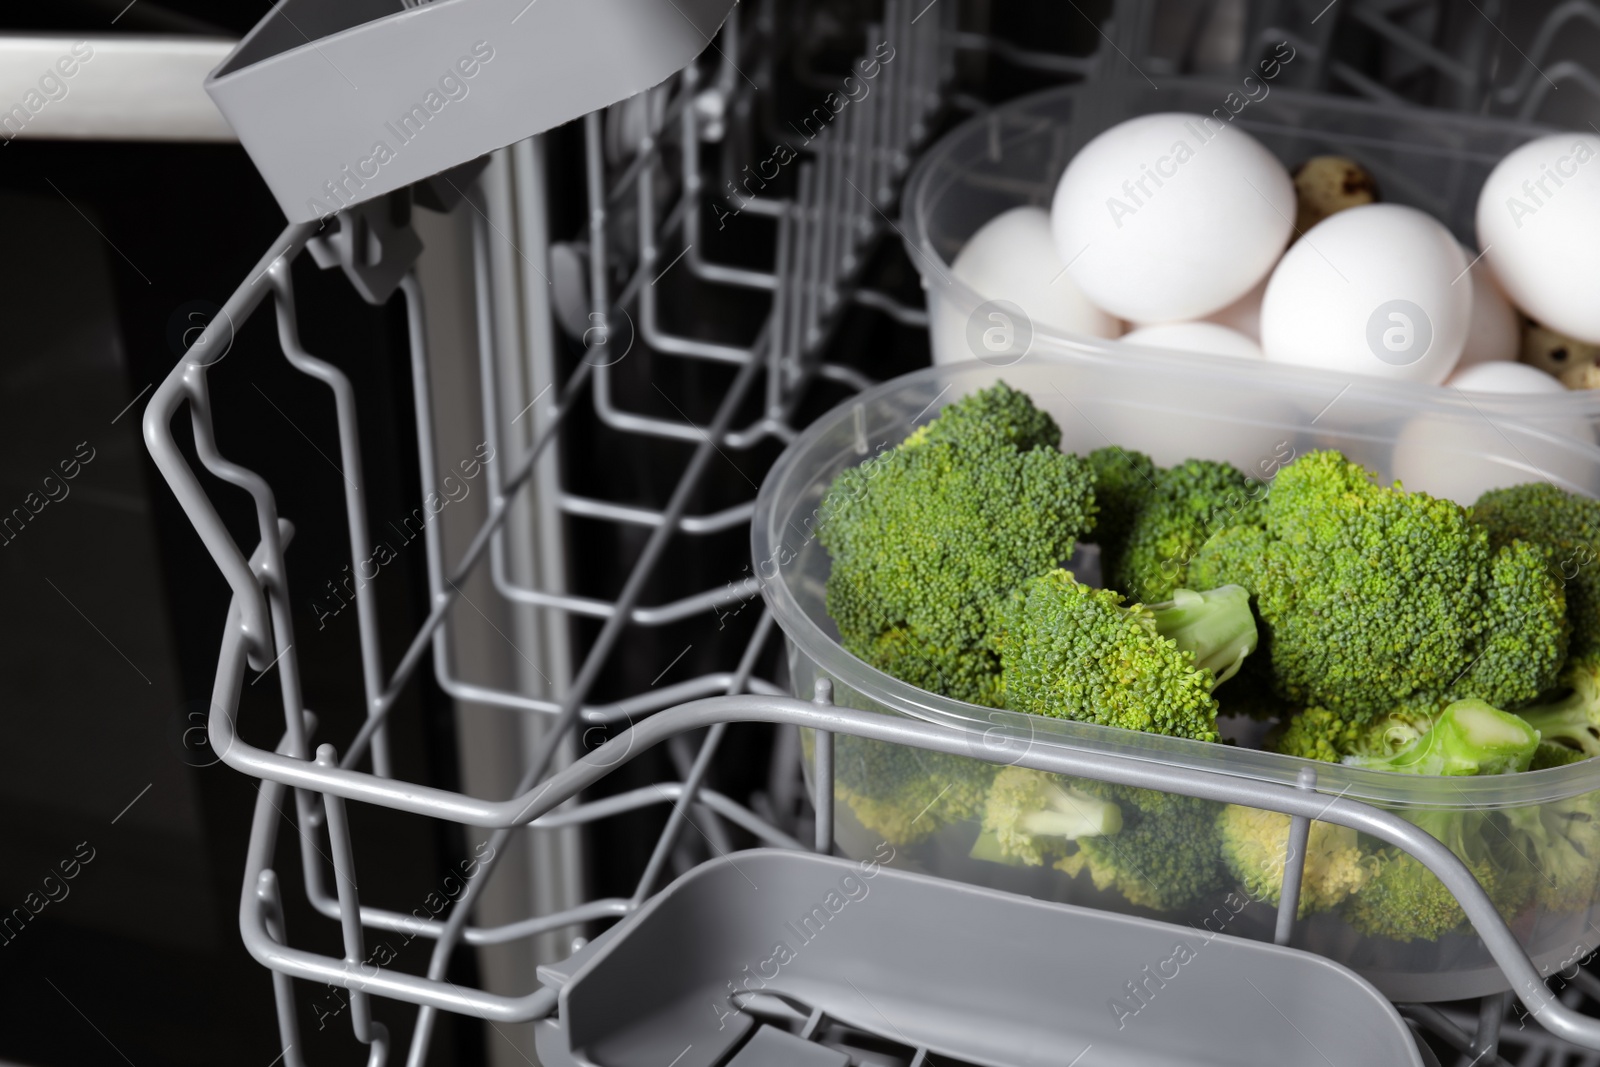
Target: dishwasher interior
{"points": [[609, 333]]}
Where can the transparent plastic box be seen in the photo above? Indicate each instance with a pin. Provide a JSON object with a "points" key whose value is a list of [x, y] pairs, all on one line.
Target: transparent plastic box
{"points": [[1173, 408], [1015, 155]]}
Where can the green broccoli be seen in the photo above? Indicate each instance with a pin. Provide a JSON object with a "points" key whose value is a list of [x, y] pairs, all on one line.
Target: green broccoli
{"points": [[1554, 754], [1253, 846], [1234, 555], [1074, 652], [1320, 734], [957, 672], [904, 794], [998, 412], [1569, 526], [1469, 737], [1216, 627], [1403, 901], [1573, 720], [1525, 630], [1124, 481], [1156, 849], [928, 539], [1193, 501], [1236, 551], [1561, 841], [1372, 596], [1165, 855], [1033, 816]]}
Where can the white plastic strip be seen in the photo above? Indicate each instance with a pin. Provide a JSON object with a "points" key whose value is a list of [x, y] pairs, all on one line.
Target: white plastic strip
{"points": [[125, 88]]}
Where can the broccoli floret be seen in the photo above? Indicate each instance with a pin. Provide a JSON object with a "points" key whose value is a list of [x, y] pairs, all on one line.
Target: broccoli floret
{"points": [[1404, 901], [1573, 720], [1525, 634], [928, 539], [1234, 555], [1320, 734], [1469, 737], [905, 794], [1569, 526], [1035, 816], [1562, 840], [998, 411], [1554, 754], [1193, 501], [1124, 481], [1165, 855], [965, 673], [1525, 630], [1074, 652], [1372, 596], [1253, 846]]}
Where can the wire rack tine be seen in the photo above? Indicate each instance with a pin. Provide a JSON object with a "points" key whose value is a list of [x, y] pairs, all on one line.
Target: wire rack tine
{"points": [[1060, 759], [355, 505], [702, 766], [344, 870], [271, 905], [186, 384], [572, 702]]}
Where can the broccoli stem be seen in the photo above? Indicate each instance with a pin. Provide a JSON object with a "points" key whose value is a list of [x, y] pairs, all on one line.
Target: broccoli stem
{"points": [[1073, 814], [1217, 626], [1469, 737], [1574, 720]]}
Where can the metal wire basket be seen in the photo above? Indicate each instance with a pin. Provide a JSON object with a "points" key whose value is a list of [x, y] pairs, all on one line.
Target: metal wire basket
{"points": [[650, 191]]}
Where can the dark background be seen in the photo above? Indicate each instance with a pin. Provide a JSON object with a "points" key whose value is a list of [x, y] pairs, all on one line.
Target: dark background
{"points": [[115, 610]]}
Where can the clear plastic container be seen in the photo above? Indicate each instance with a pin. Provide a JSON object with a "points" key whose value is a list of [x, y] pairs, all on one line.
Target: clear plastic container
{"points": [[1173, 408], [1014, 155]]}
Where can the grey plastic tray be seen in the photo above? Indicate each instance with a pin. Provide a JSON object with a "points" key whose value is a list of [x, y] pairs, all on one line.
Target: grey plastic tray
{"points": [[341, 101], [834, 950]]}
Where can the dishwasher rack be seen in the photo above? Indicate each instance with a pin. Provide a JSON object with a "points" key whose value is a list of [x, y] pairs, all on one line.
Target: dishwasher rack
{"points": [[650, 190]]}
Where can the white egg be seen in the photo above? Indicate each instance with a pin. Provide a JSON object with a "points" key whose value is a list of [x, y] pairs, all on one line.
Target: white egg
{"points": [[1170, 217], [1378, 290], [1205, 337], [1181, 416], [1011, 261], [1214, 412], [1494, 333], [1503, 377], [1244, 314], [1539, 226], [1462, 456]]}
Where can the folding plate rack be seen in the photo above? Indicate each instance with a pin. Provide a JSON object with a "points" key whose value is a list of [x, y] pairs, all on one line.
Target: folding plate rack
{"points": [[845, 190]]}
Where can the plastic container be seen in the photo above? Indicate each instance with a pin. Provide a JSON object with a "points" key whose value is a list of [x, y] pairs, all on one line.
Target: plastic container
{"points": [[1171, 408], [1434, 161], [894, 965]]}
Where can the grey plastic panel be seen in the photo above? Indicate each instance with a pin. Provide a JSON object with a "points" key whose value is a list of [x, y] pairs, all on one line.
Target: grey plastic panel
{"points": [[964, 972], [340, 102], [771, 1047]]}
